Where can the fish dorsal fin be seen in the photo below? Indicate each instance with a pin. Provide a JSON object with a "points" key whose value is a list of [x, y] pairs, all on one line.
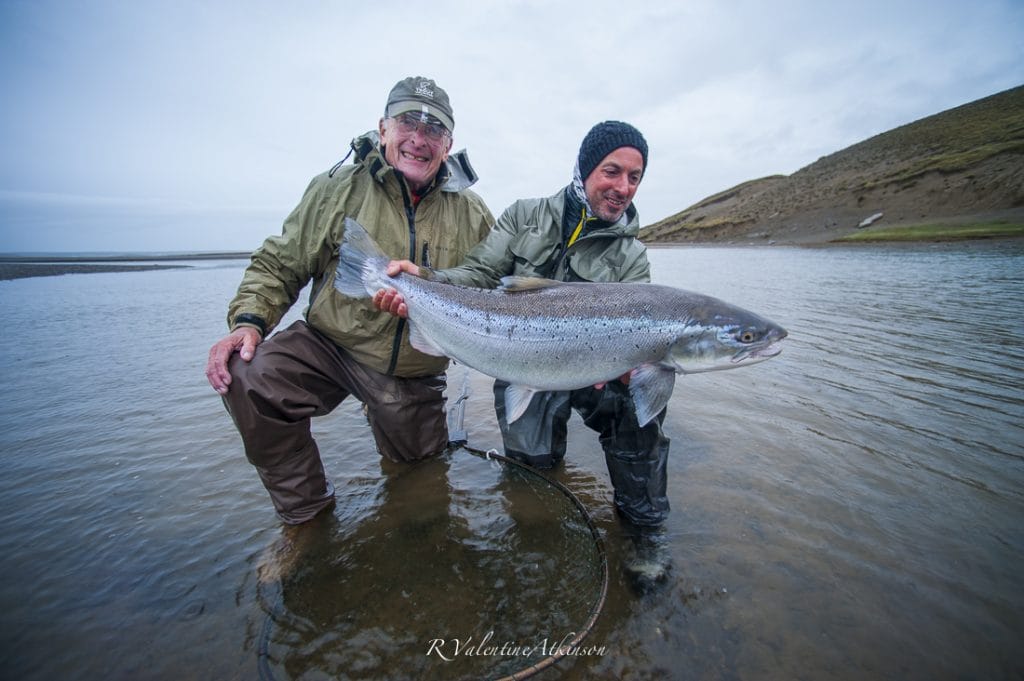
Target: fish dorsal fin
{"points": [[512, 284], [651, 386], [517, 399]]}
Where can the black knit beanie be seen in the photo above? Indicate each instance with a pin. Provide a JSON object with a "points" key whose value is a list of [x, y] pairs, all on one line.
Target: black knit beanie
{"points": [[603, 139]]}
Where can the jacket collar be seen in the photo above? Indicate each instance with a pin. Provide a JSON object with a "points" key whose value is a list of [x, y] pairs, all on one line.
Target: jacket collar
{"points": [[571, 205], [454, 175]]}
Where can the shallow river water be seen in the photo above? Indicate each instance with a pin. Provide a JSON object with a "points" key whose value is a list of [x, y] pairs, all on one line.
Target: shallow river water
{"points": [[852, 509]]}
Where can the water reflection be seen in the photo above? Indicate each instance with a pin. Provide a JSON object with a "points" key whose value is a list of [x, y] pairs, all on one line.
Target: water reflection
{"points": [[448, 569]]}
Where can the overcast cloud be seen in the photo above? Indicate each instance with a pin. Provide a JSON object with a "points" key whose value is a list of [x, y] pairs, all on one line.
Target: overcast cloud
{"points": [[187, 125]]}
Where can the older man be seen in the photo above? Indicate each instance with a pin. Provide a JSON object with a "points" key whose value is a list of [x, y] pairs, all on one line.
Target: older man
{"points": [[414, 199], [587, 231]]}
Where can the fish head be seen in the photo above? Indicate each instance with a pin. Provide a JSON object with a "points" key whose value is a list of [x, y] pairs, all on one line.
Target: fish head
{"points": [[728, 339]]}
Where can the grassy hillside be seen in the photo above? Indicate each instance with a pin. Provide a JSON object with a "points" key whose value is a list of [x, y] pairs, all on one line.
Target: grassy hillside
{"points": [[962, 166]]}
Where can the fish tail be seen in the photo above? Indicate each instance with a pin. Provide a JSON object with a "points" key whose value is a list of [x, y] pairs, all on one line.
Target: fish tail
{"points": [[360, 264]]}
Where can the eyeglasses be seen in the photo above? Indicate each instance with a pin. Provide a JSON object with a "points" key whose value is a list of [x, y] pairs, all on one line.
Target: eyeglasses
{"points": [[433, 131]]}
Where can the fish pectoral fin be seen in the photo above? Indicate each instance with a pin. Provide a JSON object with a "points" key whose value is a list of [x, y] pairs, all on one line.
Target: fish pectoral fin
{"points": [[517, 399], [513, 284], [423, 342], [651, 387]]}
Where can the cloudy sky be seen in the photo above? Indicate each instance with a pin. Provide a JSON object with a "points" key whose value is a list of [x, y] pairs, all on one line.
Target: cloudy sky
{"points": [[196, 125]]}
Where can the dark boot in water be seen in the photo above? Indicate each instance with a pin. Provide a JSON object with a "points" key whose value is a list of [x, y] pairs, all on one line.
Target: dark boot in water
{"points": [[648, 559]]}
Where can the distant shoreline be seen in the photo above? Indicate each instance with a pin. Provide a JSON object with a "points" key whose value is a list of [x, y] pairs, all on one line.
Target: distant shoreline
{"points": [[23, 266], [24, 270], [52, 258], [50, 265]]}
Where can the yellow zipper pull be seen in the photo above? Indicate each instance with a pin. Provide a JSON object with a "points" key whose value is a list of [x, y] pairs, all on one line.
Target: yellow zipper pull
{"points": [[579, 227]]}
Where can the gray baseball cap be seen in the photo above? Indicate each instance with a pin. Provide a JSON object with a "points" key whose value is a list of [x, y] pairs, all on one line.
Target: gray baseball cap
{"points": [[423, 96]]}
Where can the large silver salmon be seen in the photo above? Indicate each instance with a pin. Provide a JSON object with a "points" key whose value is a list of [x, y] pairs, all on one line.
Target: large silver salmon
{"points": [[539, 334]]}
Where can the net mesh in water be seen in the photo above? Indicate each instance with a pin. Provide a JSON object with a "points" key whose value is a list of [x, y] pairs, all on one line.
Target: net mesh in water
{"points": [[464, 567]]}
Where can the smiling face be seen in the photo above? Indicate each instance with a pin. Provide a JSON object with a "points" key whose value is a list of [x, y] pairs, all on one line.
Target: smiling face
{"points": [[610, 187], [413, 152]]}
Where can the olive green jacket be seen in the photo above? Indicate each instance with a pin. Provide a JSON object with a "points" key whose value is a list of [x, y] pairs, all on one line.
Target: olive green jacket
{"points": [[448, 221], [527, 241]]}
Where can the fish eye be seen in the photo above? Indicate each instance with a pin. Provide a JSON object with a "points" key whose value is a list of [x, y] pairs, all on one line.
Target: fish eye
{"points": [[747, 336]]}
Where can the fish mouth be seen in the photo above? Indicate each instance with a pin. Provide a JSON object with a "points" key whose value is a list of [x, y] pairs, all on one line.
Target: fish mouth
{"points": [[759, 353]]}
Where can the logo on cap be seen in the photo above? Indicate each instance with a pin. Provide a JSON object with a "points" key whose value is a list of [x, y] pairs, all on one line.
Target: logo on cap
{"points": [[423, 89]]}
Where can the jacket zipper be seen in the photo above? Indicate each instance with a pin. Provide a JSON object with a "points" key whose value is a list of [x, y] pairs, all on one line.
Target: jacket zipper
{"points": [[555, 270], [410, 216], [559, 269]]}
